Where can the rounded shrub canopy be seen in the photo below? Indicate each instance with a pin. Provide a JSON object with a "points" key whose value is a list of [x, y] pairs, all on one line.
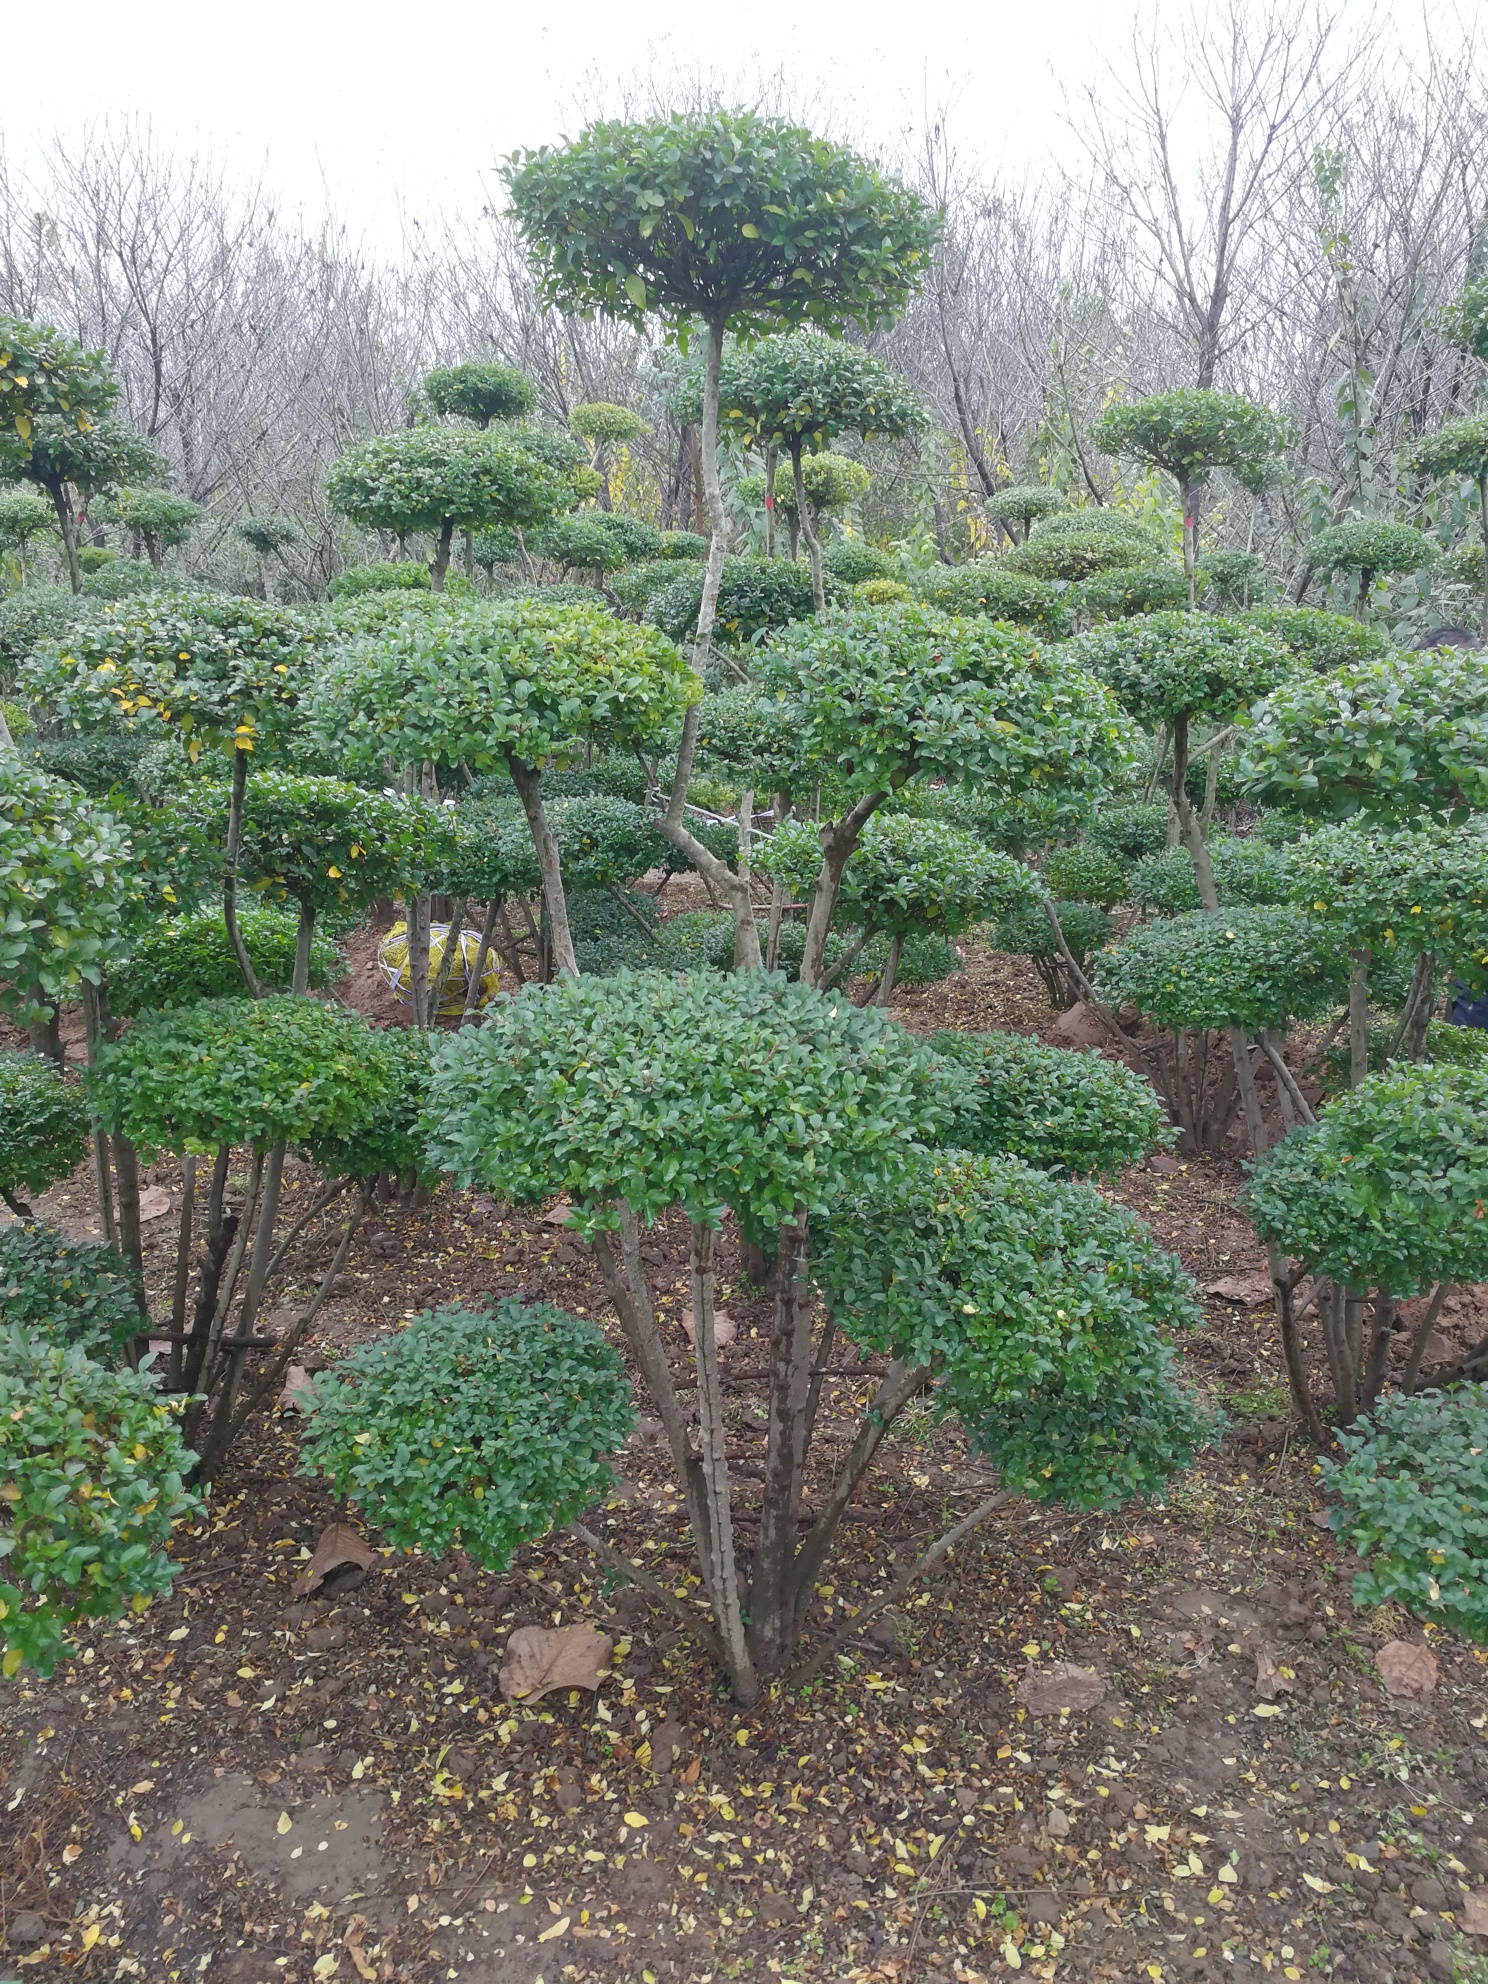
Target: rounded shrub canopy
{"points": [[388, 1134], [1390, 1190], [473, 1430], [907, 874], [754, 596], [984, 585], [1321, 641], [480, 393], [43, 1125], [428, 478], [332, 845], [1039, 1306], [1084, 871], [1422, 888], [238, 1071], [700, 1092], [1057, 1108], [70, 1292], [1368, 545], [1023, 503], [1167, 665], [1249, 968], [91, 1467], [1247, 873], [60, 887], [175, 963]]}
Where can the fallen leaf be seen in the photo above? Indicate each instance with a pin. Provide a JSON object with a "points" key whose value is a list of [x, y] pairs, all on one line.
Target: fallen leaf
{"points": [[1407, 1668], [91, 1935], [725, 1329], [299, 1389], [284, 1825], [540, 1659], [72, 1851], [691, 1774], [1270, 1680], [1267, 1708], [636, 1819], [326, 1966], [340, 1562], [1252, 1291], [554, 1930], [1318, 1885], [557, 1215], [1064, 1685], [154, 1203], [138, 1790], [233, 1698], [1473, 1919]]}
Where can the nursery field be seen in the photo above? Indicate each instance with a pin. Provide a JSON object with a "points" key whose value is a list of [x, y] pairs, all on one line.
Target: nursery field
{"points": [[1150, 1744]]}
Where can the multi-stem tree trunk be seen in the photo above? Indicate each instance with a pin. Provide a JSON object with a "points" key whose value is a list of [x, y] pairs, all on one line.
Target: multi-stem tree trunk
{"points": [[230, 872], [808, 528], [838, 839], [529, 787]]}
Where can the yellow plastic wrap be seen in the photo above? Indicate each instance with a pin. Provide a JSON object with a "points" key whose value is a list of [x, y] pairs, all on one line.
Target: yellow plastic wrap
{"points": [[392, 962]]}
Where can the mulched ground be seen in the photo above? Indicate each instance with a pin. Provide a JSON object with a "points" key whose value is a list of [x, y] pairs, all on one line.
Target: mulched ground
{"points": [[244, 1787]]}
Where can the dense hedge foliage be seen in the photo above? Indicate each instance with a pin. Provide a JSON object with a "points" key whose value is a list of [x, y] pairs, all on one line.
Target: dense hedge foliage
{"points": [[1413, 1502], [755, 595], [189, 958], [907, 875], [1167, 665], [1397, 894], [1084, 871], [1028, 933], [1250, 968], [1131, 829], [387, 1133], [1041, 1307], [1057, 1108], [60, 887], [1076, 544], [43, 1124], [91, 1467], [1246, 872], [472, 1430], [69, 1292], [1129, 590], [401, 575], [96, 760], [985, 585], [853, 561], [1323, 641], [332, 845]]}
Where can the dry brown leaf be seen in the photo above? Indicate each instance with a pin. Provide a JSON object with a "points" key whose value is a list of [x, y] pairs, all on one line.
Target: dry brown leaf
{"points": [[692, 1772], [299, 1389], [154, 1203], [557, 1215], [540, 1659], [341, 1560], [356, 1928], [1064, 1685], [1252, 1290], [1270, 1680], [1407, 1668], [1473, 1920], [725, 1329]]}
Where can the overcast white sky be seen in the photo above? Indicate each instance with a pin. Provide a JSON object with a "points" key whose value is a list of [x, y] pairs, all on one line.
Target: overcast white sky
{"points": [[380, 108]]}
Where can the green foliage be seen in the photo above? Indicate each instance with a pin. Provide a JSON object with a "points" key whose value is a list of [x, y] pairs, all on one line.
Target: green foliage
{"points": [[1322, 641], [388, 1133], [238, 1071], [1167, 665], [755, 596], [985, 585], [1076, 544], [906, 875], [1056, 1108], [1131, 829], [473, 1430], [437, 479], [99, 458], [91, 1468], [1250, 968], [189, 958], [925, 959], [1388, 1192], [1028, 933], [390, 575], [720, 215], [1368, 545], [1084, 871], [799, 391], [1413, 1497], [480, 393], [852, 561], [31, 617], [43, 1124], [1405, 734], [1023, 503], [604, 842], [1014, 825], [67, 1292], [96, 558], [831, 482], [131, 578], [1040, 1305], [97, 761], [878, 698], [1458, 447], [42, 372], [883, 592], [637, 585], [59, 887], [639, 540], [603, 424], [1247, 872], [1396, 894], [160, 517], [516, 677], [1127, 591], [1456, 1046], [266, 535], [1193, 429], [22, 517], [1234, 580], [683, 544], [697, 1092], [597, 541]]}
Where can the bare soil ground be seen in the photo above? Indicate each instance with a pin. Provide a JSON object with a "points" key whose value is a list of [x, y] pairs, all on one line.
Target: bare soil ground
{"points": [[244, 1787]]}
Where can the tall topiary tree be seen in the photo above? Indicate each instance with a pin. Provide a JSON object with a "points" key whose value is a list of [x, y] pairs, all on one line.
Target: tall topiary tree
{"points": [[162, 520], [22, 517], [56, 394], [1188, 432], [73, 465], [1368, 546], [267, 538], [1460, 448], [480, 393], [604, 425], [1022, 504], [736, 220]]}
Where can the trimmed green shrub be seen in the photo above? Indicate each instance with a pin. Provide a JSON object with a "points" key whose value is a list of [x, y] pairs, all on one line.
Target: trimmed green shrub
{"points": [[1249, 968], [402, 575], [1024, 503], [72, 1293], [1076, 544], [1028, 933], [1422, 888], [91, 1467], [982, 1268], [1413, 1496], [43, 1126], [132, 578], [472, 1430], [190, 958], [882, 592], [1132, 830], [987, 586], [97, 761], [480, 393], [1369, 545], [1444, 1044], [1167, 665], [907, 875], [637, 585], [926, 958], [388, 1134], [1322, 641], [1247, 872], [60, 888], [1057, 1108], [1233, 580], [852, 561], [30, 618], [755, 595], [1083, 871], [681, 544], [1127, 591]]}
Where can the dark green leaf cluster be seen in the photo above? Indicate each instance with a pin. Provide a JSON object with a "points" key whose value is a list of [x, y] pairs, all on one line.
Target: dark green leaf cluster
{"points": [[745, 733], [1423, 888], [1454, 1046], [96, 459], [1167, 665], [754, 596], [1322, 641], [1028, 933], [98, 761], [269, 534], [985, 585], [1234, 580], [635, 586], [852, 561], [1128, 591], [332, 845], [72, 1293], [133, 578], [481, 1431], [925, 959], [159, 516], [1249, 968], [694, 1091], [387, 1135], [22, 517], [1132, 828], [1247, 872], [682, 544], [433, 478], [722, 215], [1056, 1108], [1040, 1305], [1391, 1190], [800, 390], [1084, 871], [1458, 447], [582, 543], [91, 1467], [44, 372], [906, 875], [1413, 1502], [389, 575], [1014, 824], [492, 859], [1369, 545], [604, 842], [1076, 544], [60, 887], [1024, 503], [480, 393], [187, 958], [1192, 429], [238, 1071], [43, 1124], [30, 618], [1405, 734]]}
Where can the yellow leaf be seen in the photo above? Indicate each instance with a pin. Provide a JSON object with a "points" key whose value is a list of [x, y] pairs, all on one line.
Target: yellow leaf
{"points": [[554, 1929], [285, 1824], [936, 1843], [1318, 1886], [1267, 1708], [1011, 1957], [23, 427], [635, 1819], [91, 1935], [749, 231], [1228, 1876]]}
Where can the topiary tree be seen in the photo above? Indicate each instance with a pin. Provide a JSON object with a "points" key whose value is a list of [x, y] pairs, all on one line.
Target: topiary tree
{"points": [[1369, 546], [71, 1293], [440, 479], [1056, 1108], [516, 684], [22, 517], [186, 958], [267, 537], [1460, 448], [91, 1467], [1186, 434], [854, 562], [830, 482], [604, 425], [755, 595], [161, 519], [56, 397], [984, 585], [43, 1127], [1322, 641], [1382, 1201], [480, 393], [1085, 871], [1127, 591], [1024, 503], [1233, 580], [729, 218], [1063, 961], [1077, 544], [73, 466]]}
